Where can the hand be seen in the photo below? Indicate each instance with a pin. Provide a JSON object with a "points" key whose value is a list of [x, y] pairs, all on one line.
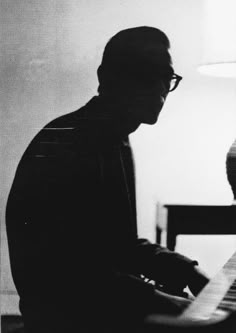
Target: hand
{"points": [[176, 272], [169, 304], [197, 280]]}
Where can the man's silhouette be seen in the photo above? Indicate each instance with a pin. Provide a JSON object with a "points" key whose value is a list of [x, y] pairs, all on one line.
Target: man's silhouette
{"points": [[76, 258]]}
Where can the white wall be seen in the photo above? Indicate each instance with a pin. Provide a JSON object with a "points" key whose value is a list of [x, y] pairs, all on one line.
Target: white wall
{"points": [[182, 158], [51, 50]]}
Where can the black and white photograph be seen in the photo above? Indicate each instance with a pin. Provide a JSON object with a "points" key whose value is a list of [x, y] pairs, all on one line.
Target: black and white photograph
{"points": [[118, 166]]}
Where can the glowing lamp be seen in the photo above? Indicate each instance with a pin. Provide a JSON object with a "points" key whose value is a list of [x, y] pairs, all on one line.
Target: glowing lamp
{"points": [[219, 45]]}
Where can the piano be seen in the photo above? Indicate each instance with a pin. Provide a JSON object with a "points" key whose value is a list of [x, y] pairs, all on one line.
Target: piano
{"points": [[212, 306]]}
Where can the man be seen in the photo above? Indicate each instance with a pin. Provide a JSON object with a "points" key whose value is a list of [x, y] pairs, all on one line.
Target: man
{"points": [[76, 259]]}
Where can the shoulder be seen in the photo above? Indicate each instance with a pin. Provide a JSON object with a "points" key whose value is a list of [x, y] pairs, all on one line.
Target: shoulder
{"points": [[55, 137]]}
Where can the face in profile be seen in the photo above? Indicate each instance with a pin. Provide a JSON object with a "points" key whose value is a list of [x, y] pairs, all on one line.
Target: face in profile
{"points": [[144, 102], [146, 90], [140, 87]]}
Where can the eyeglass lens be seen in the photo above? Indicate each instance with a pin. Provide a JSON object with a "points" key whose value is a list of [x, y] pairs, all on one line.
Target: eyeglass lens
{"points": [[174, 82]]}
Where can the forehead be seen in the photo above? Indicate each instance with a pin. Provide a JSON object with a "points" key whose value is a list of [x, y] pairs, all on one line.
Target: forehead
{"points": [[157, 53], [150, 57], [154, 60]]}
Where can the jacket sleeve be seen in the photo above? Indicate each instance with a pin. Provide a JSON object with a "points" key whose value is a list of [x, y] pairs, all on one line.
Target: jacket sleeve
{"points": [[165, 267]]}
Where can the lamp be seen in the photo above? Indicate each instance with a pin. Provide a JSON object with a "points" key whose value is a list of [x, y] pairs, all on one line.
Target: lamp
{"points": [[219, 57], [219, 52]]}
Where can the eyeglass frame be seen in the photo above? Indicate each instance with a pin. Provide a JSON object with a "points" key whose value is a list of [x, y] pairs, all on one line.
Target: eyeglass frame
{"points": [[178, 79]]}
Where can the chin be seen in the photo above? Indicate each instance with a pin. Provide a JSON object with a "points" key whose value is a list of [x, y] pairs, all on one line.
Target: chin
{"points": [[151, 120], [151, 115]]}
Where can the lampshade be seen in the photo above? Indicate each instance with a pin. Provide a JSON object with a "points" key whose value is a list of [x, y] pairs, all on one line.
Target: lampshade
{"points": [[219, 46]]}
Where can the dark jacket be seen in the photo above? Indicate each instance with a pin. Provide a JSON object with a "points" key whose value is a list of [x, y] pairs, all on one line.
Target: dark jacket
{"points": [[71, 220]]}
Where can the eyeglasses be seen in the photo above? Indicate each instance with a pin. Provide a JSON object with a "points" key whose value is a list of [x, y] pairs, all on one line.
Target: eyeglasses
{"points": [[174, 82]]}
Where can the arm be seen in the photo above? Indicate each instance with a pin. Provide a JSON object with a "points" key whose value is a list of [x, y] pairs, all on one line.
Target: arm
{"points": [[143, 296], [169, 269]]}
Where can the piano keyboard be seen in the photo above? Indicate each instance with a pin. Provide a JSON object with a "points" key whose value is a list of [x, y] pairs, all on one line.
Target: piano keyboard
{"points": [[213, 304], [218, 297]]}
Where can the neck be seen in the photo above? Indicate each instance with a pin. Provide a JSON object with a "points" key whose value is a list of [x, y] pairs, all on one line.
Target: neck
{"points": [[119, 114]]}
